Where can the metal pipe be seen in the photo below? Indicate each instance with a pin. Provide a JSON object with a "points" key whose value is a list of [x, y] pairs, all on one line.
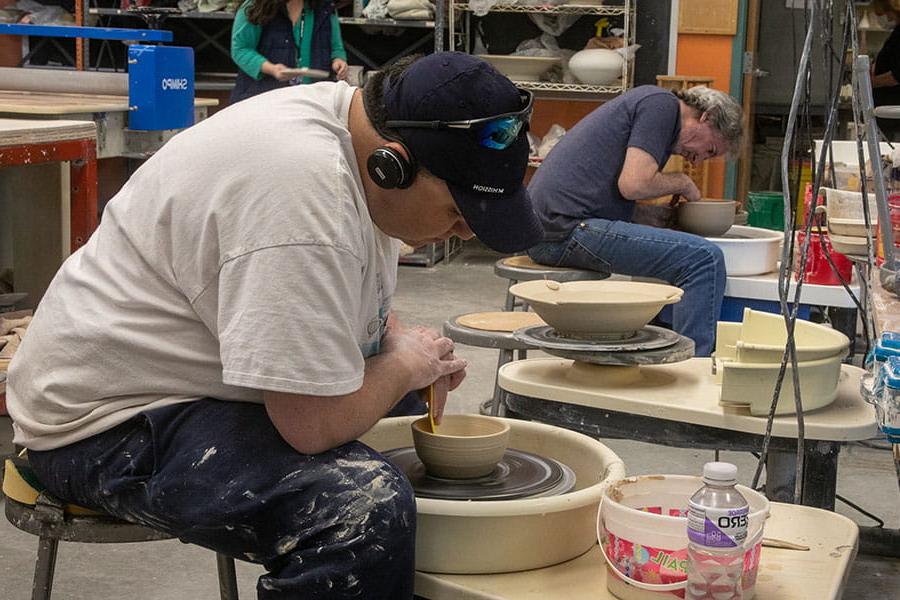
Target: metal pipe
{"points": [[66, 82]]}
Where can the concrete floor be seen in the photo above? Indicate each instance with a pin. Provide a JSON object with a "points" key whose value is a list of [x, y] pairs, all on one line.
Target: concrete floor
{"points": [[172, 570]]}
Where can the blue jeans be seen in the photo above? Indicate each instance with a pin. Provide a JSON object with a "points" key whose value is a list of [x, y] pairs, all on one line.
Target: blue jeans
{"points": [[340, 524], [687, 261]]}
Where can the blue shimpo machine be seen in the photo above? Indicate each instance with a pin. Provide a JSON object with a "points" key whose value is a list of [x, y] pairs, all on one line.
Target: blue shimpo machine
{"points": [[160, 78]]}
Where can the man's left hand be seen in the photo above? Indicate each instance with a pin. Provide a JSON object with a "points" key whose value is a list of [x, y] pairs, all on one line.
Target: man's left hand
{"points": [[653, 215]]}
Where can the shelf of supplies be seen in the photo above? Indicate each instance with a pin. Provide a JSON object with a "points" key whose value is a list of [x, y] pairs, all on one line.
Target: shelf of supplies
{"points": [[547, 86], [225, 16], [406, 23], [565, 9], [118, 12]]}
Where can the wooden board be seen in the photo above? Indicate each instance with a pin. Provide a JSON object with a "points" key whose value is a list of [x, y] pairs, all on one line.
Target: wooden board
{"points": [[44, 103], [685, 392], [718, 17], [22, 132], [499, 321], [524, 262], [819, 574]]}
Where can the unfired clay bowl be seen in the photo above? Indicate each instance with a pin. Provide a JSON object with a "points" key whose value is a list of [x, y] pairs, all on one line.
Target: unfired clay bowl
{"points": [[596, 308], [463, 446], [709, 218]]}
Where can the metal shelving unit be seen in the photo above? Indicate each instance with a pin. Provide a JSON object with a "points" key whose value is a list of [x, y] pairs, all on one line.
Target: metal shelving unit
{"points": [[460, 12], [427, 255], [560, 9]]}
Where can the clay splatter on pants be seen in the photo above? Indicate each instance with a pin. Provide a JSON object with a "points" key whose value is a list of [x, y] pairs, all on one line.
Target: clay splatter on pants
{"points": [[335, 525]]}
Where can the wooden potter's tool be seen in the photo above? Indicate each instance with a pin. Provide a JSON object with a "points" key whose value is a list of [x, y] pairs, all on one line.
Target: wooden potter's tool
{"points": [[429, 400], [784, 545], [316, 74]]}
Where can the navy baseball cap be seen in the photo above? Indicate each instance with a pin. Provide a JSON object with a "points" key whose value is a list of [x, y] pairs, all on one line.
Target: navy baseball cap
{"points": [[486, 183]]}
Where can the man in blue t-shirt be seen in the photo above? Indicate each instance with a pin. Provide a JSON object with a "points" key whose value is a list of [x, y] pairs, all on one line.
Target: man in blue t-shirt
{"points": [[587, 189]]}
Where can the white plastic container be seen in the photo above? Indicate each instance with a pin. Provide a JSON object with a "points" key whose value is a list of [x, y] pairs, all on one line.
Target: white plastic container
{"points": [[642, 529], [749, 250]]}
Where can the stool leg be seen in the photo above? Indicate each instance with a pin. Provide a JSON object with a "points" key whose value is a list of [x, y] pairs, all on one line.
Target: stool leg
{"points": [[227, 577], [505, 357], [510, 299], [44, 568]]}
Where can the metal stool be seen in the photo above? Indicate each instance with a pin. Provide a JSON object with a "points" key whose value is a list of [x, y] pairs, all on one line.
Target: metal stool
{"points": [[38, 513], [492, 330], [522, 268]]}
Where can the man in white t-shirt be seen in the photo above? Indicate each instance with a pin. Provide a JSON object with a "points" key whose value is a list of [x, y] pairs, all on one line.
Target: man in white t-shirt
{"points": [[204, 364]]}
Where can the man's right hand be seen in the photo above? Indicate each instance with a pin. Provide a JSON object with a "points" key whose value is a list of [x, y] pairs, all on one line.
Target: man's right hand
{"points": [[428, 357]]}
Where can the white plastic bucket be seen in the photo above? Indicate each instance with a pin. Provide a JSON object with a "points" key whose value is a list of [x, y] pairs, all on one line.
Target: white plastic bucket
{"points": [[642, 529]]}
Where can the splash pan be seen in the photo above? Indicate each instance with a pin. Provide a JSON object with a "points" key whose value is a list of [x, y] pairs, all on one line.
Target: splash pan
{"points": [[517, 475], [464, 537]]}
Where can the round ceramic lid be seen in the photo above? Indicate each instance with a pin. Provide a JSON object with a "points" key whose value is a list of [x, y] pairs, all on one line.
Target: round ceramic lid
{"points": [[518, 475]]}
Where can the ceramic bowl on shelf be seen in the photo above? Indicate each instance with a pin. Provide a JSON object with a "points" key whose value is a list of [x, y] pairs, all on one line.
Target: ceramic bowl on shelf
{"points": [[709, 218], [462, 446], [521, 68], [597, 66], [848, 244], [596, 308], [842, 204]]}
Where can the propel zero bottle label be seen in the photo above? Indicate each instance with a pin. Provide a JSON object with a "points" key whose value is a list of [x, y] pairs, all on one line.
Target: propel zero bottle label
{"points": [[717, 527]]}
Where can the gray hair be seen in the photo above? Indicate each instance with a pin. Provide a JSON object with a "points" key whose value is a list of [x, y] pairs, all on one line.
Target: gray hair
{"points": [[722, 111]]}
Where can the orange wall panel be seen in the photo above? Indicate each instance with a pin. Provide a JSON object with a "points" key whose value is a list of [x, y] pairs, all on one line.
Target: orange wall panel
{"points": [[710, 56]]}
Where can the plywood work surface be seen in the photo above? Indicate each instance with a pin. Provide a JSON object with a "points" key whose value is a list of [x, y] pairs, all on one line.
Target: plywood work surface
{"points": [[22, 132], [819, 574], [507, 321], [684, 392], [708, 16], [44, 103]]}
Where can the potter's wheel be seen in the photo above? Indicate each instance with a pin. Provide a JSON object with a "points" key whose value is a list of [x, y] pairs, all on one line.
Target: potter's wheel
{"points": [[648, 346], [518, 475]]}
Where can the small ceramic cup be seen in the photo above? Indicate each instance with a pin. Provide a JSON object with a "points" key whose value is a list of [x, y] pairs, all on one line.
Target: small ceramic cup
{"points": [[464, 447]]}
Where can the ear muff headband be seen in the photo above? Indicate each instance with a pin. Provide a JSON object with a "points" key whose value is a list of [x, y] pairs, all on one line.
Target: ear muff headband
{"points": [[389, 169]]}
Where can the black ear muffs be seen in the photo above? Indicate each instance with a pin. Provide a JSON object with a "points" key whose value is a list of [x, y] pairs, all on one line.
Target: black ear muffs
{"points": [[389, 169]]}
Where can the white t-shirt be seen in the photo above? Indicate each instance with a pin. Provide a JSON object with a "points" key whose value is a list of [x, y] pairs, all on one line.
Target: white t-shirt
{"points": [[240, 258]]}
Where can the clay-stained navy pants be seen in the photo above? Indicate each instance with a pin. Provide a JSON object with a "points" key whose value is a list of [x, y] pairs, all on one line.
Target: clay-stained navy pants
{"points": [[335, 525]]}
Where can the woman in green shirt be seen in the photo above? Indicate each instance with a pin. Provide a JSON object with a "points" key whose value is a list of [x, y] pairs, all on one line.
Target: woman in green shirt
{"points": [[270, 36]]}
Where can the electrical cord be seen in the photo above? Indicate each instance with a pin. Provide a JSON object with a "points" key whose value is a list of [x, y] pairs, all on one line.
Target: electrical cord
{"points": [[784, 280]]}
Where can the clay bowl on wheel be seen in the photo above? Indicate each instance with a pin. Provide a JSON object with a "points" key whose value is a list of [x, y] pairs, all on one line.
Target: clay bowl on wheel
{"points": [[595, 309], [709, 218], [462, 447]]}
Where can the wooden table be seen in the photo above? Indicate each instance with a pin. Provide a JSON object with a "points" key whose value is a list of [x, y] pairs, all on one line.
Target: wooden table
{"points": [[109, 112], [678, 405], [819, 574], [25, 142]]}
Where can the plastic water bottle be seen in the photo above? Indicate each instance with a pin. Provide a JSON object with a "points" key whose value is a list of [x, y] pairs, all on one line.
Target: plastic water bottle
{"points": [[717, 528]]}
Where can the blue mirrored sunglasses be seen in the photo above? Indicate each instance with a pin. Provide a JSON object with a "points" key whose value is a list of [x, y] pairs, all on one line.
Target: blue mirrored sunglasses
{"points": [[498, 132]]}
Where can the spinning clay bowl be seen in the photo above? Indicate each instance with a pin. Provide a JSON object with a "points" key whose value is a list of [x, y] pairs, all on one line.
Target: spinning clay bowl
{"points": [[596, 308], [500, 536], [708, 218], [462, 446]]}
